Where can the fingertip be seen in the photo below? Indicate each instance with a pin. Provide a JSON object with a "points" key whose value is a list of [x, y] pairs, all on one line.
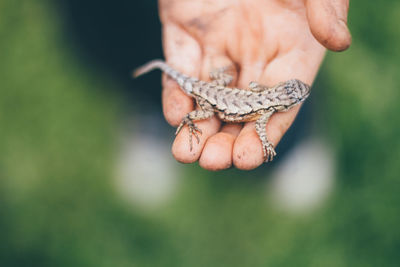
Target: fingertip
{"points": [[328, 23], [335, 37], [181, 146], [181, 150], [247, 150], [217, 153], [343, 38]]}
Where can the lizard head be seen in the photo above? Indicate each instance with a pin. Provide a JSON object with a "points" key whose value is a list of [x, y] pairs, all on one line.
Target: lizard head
{"points": [[297, 90], [291, 93]]}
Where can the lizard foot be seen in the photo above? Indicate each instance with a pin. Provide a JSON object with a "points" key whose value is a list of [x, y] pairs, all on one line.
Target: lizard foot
{"points": [[193, 130], [269, 152]]}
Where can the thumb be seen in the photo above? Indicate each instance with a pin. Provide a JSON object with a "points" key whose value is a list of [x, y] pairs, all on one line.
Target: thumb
{"points": [[328, 23]]}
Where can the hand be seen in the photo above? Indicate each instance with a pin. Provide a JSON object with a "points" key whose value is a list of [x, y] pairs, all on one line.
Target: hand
{"points": [[269, 41]]}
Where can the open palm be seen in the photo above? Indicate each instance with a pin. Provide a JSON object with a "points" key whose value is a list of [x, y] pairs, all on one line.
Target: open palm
{"points": [[268, 41]]}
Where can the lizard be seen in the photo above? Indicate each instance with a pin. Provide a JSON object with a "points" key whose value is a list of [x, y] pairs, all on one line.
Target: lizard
{"points": [[232, 105]]}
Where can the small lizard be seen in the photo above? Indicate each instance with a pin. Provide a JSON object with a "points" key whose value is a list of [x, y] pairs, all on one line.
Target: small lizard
{"points": [[233, 104]]}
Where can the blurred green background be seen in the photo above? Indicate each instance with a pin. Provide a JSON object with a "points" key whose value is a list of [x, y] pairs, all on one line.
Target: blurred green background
{"points": [[65, 91]]}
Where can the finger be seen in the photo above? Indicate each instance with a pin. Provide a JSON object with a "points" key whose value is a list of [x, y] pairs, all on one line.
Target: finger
{"points": [[298, 64], [247, 153], [244, 147], [181, 147], [183, 53], [217, 153], [328, 23]]}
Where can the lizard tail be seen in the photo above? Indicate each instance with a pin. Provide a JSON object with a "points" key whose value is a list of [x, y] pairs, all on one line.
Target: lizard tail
{"points": [[154, 64]]}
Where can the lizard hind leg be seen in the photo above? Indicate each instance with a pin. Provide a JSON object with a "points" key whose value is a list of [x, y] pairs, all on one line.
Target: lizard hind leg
{"points": [[221, 75], [268, 148], [196, 115]]}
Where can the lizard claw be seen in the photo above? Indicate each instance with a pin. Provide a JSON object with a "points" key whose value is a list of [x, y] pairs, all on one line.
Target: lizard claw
{"points": [[193, 130], [269, 152], [179, 127], [253, 85], [196, 131]]}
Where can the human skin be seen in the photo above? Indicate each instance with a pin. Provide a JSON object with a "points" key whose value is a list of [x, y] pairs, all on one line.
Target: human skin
{"points": [[268, 41]]}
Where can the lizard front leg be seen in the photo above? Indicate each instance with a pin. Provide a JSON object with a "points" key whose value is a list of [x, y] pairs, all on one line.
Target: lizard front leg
{"points": [[268, 148], [220, 76], [206, 112], [258, 88]]}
